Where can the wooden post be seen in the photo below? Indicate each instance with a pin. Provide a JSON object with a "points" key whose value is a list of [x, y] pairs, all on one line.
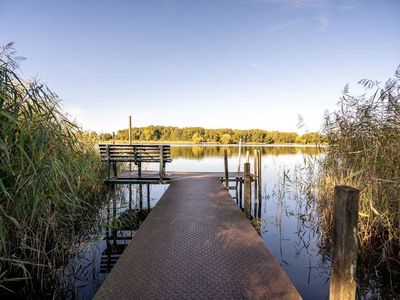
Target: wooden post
{"points": [[247, 188], [130, 138], [162, 167], [259, 177], [247, 156], [113, 138], [226, 168], [255, 156], [345, 218], [148, 196], [240, 154], [130, 130]]}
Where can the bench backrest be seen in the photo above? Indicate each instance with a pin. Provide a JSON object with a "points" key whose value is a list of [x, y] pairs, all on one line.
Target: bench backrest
{"points": [[135, 153]]}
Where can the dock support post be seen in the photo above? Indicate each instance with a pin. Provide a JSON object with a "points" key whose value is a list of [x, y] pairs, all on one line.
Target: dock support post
{"points": [[148, 196], [130, 196], [240, 154], [247, 188], [345, 218], [226, 168], [255, 181], [259, 177], [162, 166], [130, 138]]}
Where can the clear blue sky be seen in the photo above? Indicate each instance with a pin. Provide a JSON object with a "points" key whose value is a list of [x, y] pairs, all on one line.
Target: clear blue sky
{"points": [[238, 63]]}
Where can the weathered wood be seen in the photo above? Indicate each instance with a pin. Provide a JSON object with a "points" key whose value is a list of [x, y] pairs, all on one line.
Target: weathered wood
{"points": [[130, 130], [113, 138], [247, 190], [226, 168], [345, 218], [130, 138], [259, 177], [240, 154], [247, 156], [162, 166], [255, 158]]}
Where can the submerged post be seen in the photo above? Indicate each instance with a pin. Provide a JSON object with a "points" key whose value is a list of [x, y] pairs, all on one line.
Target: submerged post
{"points": [[345, 217], [247, 188], [226, 168]]}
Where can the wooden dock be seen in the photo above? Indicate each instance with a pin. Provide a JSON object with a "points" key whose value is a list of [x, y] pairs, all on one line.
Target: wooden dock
{"points": [[197, 244]]}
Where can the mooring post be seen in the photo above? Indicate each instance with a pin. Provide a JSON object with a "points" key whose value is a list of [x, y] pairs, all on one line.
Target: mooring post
{"points": [[130, 138], [255, 156], [148, 196], [226, 168], [240, 154], [247, 188], [345, 218], [259, 175]]}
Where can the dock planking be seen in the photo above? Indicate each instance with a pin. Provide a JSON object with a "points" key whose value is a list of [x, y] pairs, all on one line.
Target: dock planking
{"points": [[197, 244]]}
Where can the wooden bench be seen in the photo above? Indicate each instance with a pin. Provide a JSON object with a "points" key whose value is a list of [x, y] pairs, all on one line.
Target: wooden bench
{"points": [[111, 154]]}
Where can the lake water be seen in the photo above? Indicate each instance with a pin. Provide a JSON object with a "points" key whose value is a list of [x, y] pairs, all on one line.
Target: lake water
{"points": [[288, 219]]}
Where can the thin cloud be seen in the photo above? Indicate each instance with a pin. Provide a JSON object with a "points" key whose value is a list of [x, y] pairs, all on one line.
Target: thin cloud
{"points": [[289, 3], [384, 45], [323, 24], [285, 25], [349, 7], [171, 66], [254, 65]]}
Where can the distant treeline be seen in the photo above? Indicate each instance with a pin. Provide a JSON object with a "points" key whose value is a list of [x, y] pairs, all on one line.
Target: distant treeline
{"points": [[202, 135]]}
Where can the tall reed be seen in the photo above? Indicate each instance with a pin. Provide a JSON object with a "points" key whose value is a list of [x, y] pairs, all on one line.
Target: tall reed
{"points": [[364, 152], [48, 178]]}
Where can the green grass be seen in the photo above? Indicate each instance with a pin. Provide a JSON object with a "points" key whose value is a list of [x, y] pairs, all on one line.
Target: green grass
{"points": [[48, 179]]}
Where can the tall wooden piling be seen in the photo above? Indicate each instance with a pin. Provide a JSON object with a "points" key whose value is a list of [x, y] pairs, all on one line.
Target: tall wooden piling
{"points": [[345, 218], [259, 179], [130, 138], [113, 138], [226, 168], [247, 190], [240, 154], [130, 130], [255, 158]]}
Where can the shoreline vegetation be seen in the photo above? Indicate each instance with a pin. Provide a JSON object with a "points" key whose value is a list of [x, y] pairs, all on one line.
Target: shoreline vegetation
{"points": [[205, 144], [50, 183], [199, 135], [363, 135]]}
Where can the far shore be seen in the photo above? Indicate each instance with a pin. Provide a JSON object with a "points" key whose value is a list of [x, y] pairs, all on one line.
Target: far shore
{"points": [[184, 143]]}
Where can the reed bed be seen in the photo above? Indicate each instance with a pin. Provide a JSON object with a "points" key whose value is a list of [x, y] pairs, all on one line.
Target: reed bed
{"points": [[48, 180], [364, 152]]}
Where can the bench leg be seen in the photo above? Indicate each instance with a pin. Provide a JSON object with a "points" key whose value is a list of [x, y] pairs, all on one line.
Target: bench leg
{"points": [[107, 169]]}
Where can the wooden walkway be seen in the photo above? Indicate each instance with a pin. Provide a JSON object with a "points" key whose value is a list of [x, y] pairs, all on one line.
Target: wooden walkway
{"points": [[197, 244]]}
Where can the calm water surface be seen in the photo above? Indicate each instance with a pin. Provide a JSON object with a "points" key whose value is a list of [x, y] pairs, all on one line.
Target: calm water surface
{"points": [[288, 219]]}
